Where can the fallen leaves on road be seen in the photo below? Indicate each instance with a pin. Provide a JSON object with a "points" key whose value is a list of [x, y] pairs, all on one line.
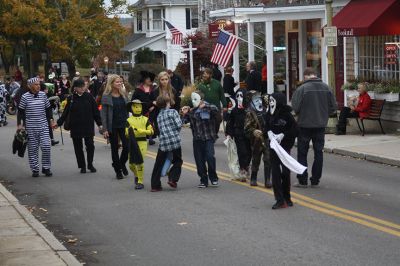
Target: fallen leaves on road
{"points": [[72, 240]]}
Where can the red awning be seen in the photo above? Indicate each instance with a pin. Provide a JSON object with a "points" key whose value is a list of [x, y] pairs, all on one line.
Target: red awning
{"points": [[368, 18]]}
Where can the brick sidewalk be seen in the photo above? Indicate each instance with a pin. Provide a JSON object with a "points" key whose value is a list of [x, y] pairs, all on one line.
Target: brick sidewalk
{"points": [[25, 241]]}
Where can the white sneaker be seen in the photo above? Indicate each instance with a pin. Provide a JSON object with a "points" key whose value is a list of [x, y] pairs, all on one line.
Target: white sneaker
{"points": [[214, 183]]}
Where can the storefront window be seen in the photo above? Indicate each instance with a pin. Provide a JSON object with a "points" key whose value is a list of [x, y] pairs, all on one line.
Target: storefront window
{"points": [[372, 65], [313, 55]]}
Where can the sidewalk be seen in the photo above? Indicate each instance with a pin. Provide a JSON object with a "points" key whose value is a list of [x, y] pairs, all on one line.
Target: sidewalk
{"points": [[376, 148], [25, 241]]}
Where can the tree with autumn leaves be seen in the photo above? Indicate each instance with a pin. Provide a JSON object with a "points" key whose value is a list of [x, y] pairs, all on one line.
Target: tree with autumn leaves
{"points": [[73, 31]]}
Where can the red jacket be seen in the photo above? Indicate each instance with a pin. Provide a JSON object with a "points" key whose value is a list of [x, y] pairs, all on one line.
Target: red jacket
{"points": [[363, 106]]}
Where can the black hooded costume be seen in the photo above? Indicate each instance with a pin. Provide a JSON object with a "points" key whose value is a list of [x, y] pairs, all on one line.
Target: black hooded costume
{"points": [[281, 121]]}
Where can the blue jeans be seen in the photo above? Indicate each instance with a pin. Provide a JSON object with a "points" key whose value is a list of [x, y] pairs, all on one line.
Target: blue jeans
{"points": [[317, 136], [204, 153]]}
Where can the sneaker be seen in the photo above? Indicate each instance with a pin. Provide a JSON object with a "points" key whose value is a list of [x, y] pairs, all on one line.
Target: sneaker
{"points": [[289, 202], [201, 185], [47, 172], [119, 175], [172, 184], [125, 171], [156, 189], [299, 185], [151, 142], [92, 169], [83, 170], [35, 174], [139, 186], [279, 205], [214, 183], [315, 185], [54, 142], [5, 123]]}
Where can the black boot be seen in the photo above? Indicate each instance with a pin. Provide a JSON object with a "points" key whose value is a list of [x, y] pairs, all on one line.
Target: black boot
{"points": [[118, 172], [340, 129], [267, 177], [253, 179]]}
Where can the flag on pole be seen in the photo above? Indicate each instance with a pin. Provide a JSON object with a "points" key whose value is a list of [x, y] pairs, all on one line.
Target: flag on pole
{"points": [[226, 44], [177, 36]]}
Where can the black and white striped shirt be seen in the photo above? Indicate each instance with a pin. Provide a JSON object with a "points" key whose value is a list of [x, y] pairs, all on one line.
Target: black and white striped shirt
{"points": [[35, 109]]}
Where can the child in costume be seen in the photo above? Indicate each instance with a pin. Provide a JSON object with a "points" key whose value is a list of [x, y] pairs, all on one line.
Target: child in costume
{"points": [[170, 124], [282, 127], [235, 130], [256, 119], [137, 129]]}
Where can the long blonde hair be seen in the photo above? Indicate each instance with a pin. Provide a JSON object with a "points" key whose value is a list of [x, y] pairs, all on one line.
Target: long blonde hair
{"points": [[169, 87], [110, 80]]}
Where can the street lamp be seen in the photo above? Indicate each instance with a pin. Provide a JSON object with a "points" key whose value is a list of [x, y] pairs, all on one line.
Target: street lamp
{"points": [[331, 59], [106, 63]]}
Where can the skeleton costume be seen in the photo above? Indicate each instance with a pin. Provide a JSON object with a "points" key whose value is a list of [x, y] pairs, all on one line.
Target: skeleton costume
{"points": [[35, 112], [235, 129], [256, 119], [282, 127]]}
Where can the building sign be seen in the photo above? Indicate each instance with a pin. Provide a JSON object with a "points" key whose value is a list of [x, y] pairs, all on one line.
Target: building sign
{"points": [[330, 34], [391, 54], [220, 24], [345, 32]]}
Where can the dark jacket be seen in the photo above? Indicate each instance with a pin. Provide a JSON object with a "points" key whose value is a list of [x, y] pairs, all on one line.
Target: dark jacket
{"points": [[145, 97], [313, 102], [282, 121], [83, 113], [107, 112], [217, 75], [19, 143], [177, 83], [253, 81], [235, 124], [229, 85]]}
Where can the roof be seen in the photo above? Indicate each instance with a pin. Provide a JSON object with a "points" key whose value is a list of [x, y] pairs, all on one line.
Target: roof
{"points": [[140, 40], [144, 3]]}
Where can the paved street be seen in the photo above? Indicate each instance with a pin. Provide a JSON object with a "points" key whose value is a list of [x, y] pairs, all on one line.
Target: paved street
{"points": [[352, 219]]}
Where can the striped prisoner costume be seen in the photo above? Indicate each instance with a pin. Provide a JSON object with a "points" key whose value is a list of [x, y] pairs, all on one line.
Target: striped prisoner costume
{"points": [[36, 111], [3, 103]]}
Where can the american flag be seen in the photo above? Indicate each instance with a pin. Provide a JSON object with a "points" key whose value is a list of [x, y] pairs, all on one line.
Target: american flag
{"points": [[177, 36], [226, 44]]}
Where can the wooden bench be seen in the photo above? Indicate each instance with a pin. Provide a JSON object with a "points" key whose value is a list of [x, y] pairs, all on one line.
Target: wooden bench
{"points": [[374, 114]]}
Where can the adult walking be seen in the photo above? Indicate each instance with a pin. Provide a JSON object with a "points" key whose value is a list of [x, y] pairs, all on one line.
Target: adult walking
{"points": [[83, 112], [229, 83], [313, 102], [113, 116], [213, 94], [3, 105], [253, 79], [177, 84], [34, 111], [144, 94]]}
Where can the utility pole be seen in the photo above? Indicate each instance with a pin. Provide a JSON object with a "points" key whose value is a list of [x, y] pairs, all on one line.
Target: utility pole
{"points": [[331, 58]]}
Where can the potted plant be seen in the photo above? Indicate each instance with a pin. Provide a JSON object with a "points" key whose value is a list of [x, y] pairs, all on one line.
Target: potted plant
{"points": [[350, 91], [388, 91]]}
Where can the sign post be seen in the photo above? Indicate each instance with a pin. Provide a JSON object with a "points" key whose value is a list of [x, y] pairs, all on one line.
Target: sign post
{"points": [[330, 35]]}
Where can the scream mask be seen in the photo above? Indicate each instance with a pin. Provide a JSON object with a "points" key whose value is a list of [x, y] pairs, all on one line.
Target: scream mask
{"points": [[239, 99], [196, 99], [137, 108], [257, 103], [272, 105]]}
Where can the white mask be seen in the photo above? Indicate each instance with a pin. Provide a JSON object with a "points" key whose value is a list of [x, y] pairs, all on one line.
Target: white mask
{"points": [[272, 105], [196, 99], [239, 99], [257, 104]]}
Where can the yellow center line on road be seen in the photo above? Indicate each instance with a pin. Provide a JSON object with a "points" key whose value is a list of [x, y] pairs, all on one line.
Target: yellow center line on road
{"points": [[305, 201]]}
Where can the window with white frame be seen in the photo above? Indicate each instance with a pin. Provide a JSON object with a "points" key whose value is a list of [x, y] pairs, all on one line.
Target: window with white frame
{"points": [[192, 18], [371, 59], [157, 19], [139, 21]]}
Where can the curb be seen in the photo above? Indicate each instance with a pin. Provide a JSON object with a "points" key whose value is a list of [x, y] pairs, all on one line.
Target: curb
{"points": [[364, 156], [42, 231]]}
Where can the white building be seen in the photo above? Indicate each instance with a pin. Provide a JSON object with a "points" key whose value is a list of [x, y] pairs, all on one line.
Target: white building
{"points": [[150, 30]]}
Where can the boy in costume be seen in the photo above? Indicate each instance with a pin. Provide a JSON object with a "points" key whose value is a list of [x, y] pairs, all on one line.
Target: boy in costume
{"points": [[256, 119], [282, 127], [137, 129]]}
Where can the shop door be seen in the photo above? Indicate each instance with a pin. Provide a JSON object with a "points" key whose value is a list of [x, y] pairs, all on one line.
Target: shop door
{"points": [[339, 72], [293, 43]]}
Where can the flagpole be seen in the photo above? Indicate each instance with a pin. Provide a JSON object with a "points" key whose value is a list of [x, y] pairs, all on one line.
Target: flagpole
{"points": [[191, 61], [255, 45]]}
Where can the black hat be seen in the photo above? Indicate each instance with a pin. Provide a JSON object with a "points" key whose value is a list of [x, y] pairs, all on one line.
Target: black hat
{"points": [[145, 75], [129, 105]]}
